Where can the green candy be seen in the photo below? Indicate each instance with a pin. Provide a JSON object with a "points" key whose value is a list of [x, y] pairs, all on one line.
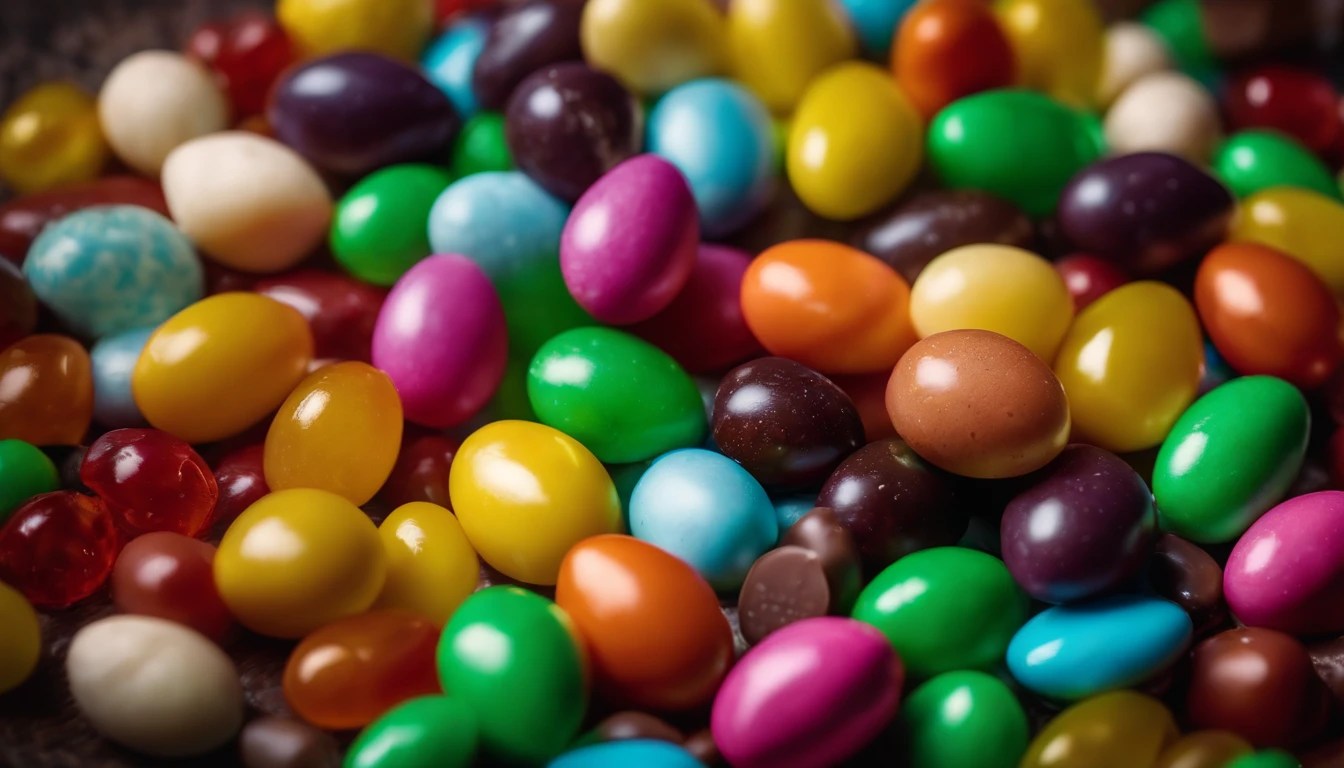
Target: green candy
{"points": [[537, 306], [1270, 758], [1180, 24], [25, 472], [481, 147], [511, 656], [1250, 161], [963, 720], [379, 229], [1230, 457], [623, 398], [428, 732], [1020, 145], [945, 609]]}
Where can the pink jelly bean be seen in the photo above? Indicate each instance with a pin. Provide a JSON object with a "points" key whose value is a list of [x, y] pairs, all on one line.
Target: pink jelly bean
{"points": [[440, 336], [811, 694]]}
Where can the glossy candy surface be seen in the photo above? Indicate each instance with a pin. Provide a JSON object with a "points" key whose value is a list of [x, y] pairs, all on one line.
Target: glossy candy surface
{"points": [[21, 644], [113, 361], [1188, 576], [246, 55], [421, 471], [379, 228], [241, 479], [875, 22], [286, 742], [525, 38], [778, 48], [1293, 220], [1254, 160], [1114, 730], [425, 732], [50, 137], [394, 27], [46, 391], [1089, 277], [151, 481], [1168, 112], [58, 548], [1204, 749], [1294, 100], [1059, 46], [22, 219], [963, 720], [652, 47], [449, 61], [643, 752], [25, 472], [18, 305], [948, 49], [341, 311], [481, 146], [171, 576], [431, 567]]}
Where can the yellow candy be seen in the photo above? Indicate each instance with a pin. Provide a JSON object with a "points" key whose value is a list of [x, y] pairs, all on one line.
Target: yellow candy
{"points": [[1123, 729], [777, 47], [339, 430], [20, 638], [525, 493], [221, 365], [298, 559], [1131, 365], [395, 27], [50, 137], [431, 567], [654, 45], [994, 288], [1303, 224], [1059, 45], [855, 142]]}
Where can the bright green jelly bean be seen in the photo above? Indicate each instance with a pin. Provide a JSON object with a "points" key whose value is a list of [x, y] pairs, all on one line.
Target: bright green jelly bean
{"points": [[1270, 758], [1180, 24], [537, 306], [1021, 145], [25, 472], [481, 146], [1230, 457], [623, 398], [379, 231], [963, 720], [945, 609], [428, 732], [1250, 161], [512, 656]]}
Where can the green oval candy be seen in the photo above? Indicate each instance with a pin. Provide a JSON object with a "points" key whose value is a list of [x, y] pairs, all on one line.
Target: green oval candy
{"points": [[380, 229], [1180, 24], [623, 398], [1250, 161], [427, 732], [945, 609], [963, 719], [1269, 758], [511, 655], [481, 146], [25, 472], [1230, 457]]}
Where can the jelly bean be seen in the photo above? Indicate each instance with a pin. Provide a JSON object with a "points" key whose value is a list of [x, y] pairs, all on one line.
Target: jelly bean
{"points": [[1204, 749], [629, 246], [707, 510], [654, 45], [450, 60], [1294, 221], [394, 27], [647, 753], [945, 609], [621, 397], [113, 360], [827, 306], [378, 230], [718, 134], [661, 602], [631, 725], [151, 481], [1164, 112], [1115, 730], [431, 567], [297, 560], [421, 471], [221, 365], [1132, 51], [1130, 365], [170, 576], [566, 497], [46, 391], [50, 137], [777, 47], [525, 38], [249, 202], [1089, 277], [426, 732], [241, 479], [58, 548], [854, 142], [481, 146], [1254, 160], [1269, 758], [986, 287], [1019, 145], [963, 720], [514, 657], [1059, 46], [869, 393], [1189, 577], [1230, 457], [502, 221], [21, 644], [23, 219], [1181, 26], [341, 312], [876, 22], [1298, 102], [25, 472], [246, 55], [108, 270], [285, 742], [353, 113], [153, 102], [18, 305], [948, 49]]}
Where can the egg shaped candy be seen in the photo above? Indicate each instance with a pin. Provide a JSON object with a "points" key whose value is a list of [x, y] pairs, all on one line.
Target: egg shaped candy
{"points": [[645, 752], [438, 730], [1059, 46], [394, 27], [48, 391], [155, 101], [947, 49], [1132, 51], [18, 305], [431, 567], [963, 720], [653, 45], [777, 47], [525, 38], [1253, 160], [1114, 730], [50, 137], [113, 359], [25, 472], [341, 311], [1165, 112], [21, 645], [1296, 221], [450, 60]]}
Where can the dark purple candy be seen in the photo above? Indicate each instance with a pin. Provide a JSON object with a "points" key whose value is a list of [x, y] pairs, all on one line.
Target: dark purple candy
{"points": [[1188, 576], [524, 39], [353, 113]]}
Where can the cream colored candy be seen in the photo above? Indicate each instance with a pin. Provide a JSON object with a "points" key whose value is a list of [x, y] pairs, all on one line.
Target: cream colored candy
{"points": [[154, 686], [154, 101], [250, 202], [1164, 112], [1132, 51]]}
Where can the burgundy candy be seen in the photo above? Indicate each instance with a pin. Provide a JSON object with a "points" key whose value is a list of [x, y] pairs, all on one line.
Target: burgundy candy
{"points": [[151, 481], [18, 305], [21, 220], [1188, 576], [241, 479], [524, 39], [1088, 278], [340, 310]]}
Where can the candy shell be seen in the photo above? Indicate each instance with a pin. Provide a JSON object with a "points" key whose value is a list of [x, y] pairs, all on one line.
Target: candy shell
{"points": [[450, 60], [646, 753], [778, 47], [1164, 112], [155, 101], [1114, 730], [113, 359], [654, 45]]}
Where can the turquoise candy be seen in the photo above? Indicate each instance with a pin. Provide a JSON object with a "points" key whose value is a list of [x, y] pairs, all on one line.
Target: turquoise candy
{"points": [[113, 359], [450, 60], [1074, 651], [876, 22], [789, 509], [644, 753], [106, 270]]}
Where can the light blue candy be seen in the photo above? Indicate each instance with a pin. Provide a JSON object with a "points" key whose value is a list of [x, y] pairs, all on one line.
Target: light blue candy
{"points": [[788, 509], [644, 753], [451, 59], [720, 136], [876, 22], [110, 269], [706, 509], [113, 359], [1074, 651], [501, 220]]}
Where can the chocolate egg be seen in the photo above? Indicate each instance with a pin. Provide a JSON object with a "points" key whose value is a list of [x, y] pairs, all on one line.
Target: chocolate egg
{"points": [[527, 37]]}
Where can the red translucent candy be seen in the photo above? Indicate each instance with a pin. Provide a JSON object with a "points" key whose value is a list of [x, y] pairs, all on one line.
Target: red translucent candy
{"points": [[246, 55], [1298, 102], [58, 548], [151, 481], [421, 471], [241, 479], [1089, 277], [170, 576], [340, 310]]}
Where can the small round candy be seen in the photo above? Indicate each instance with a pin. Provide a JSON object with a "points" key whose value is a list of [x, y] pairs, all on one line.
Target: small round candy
{"points": [[778, 47], [947, 49], [21, 642], [151, 481], [654, 45], [170, 576], [421, 471], [481, 146], [50, 137], [378, 232], [58, 548], [113, 359], [1059, 46], [299, 559], [394, 27], [340, 310], [502, 221], [1114, 730], [425, 732], [241, 478], [1299, 102], [526, 37], [963, 720], [155, 101], [1164, 112], [246, 55], [431, 567], [286, 742], [47, 383], [1089, 277], [1132, 51], [1254, 160], [25, 472], [449, 61], [1295, 221]]}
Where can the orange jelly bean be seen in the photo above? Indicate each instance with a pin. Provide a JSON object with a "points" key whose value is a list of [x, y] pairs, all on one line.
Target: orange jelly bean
{"points": [[46, 391], [947, 49], [828, 306]]}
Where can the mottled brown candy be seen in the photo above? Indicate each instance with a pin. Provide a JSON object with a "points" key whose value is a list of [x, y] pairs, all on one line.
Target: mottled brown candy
{"points": [[783, 586], [282, 742], [821, 531], [702, 747], [1188, 576], [624, 726], [1328, 659]]}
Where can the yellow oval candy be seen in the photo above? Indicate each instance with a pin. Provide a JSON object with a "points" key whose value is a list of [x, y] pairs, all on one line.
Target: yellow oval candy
{"points": [[652, 46], [777, 47], [1303, 224], [51, 136], [1123, 729], [431, 567], [1059, 45], [20, 638], [395, 27]]}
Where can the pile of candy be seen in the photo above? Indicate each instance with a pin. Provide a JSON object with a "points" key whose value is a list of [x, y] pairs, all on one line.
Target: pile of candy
{"points": [[667, 383]]}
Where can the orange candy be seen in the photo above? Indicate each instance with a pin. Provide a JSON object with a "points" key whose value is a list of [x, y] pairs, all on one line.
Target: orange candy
{"points": [[652, 625], [46, 391], [947, 49], [828, 306]]}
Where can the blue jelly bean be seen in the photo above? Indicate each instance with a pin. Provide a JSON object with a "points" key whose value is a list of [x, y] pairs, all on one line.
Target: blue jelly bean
{"points": [[876, 22], [113, 359], [450, 60], [501, 220], [788, 509], [706, 509], [645, 753]]}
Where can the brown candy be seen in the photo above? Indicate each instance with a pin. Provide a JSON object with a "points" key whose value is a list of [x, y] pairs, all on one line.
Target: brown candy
{"points": [[282, 742], [821, 531], [1189, 577], [783, 586], [702, 747], [624, 726], [1328, 659]]}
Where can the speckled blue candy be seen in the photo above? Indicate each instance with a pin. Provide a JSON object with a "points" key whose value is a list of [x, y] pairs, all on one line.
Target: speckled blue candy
{"points": [[644, 753], [113, 361], [450, 60], [876, 22], [501, 220], [111, 269]]}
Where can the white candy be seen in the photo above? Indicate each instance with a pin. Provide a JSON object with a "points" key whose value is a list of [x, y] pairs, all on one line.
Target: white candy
{"points": [[1132, 51], [154, 686], [250, 202], [154, 101], [1164, 112]]}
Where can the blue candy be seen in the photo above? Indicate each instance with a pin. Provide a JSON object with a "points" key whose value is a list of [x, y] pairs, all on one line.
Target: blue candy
{"points": [[451, 59], [501, 220], [788, 509], [876, 22], [113, 360], [644, 753]]}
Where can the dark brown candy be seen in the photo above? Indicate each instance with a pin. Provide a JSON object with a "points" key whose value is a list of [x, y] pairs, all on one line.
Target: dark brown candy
{"points": [[282, 742], [821, 531], [1328, 659], [627, 725], [783, 586], [1189, 577], [524, 39], [702, 747]]}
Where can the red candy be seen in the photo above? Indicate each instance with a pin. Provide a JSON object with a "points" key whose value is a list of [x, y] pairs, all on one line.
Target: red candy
{"points": [[58, 548], [23, 219], [1298, 102], [340, 310], [170, 576], [151, 481], [241, 480], [18, 305], [1089, 277], [246, 55], [421, 471]]}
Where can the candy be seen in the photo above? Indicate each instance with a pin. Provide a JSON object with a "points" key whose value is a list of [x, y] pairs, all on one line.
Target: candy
{"points": [[777, 47], [284, 742], [875, 22], [154, 686], [962, 720], [1189, 577], [948, 49], [1294, 221], [647, 753], [169, 576], [46, 391], [813, 693], [25, 472], [50, 137], [854, 142], [297, 560], [632, 725], [426, 732], [150, 481], [21, 644], [821, 532], [1254, 160], [525, 38], [394, 27], [431, 567], [241, 479], [155, 101], [1164, 112], [113, 360], [341, 312], [378, 232], [23, 219], [1298, 102], [450, 60], [421, 471], [1204, 749], [481, 146], [1113, 730], [1269, 758], [1131, 52], [501, 220], [246, 56], [1059, 46], [784, 586], [18, 305], [869, 393], [653, 45], [1089, 277]]}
